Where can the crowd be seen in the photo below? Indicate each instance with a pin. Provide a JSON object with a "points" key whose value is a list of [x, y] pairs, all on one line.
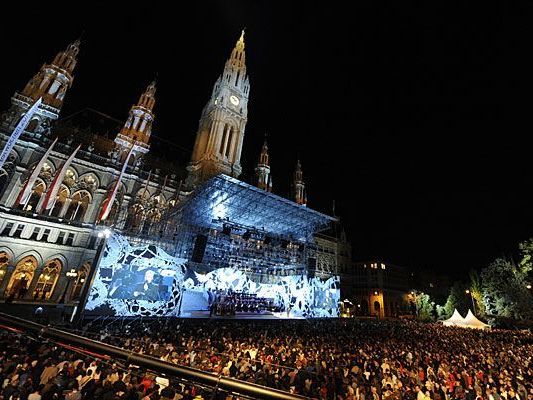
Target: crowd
{"points": [[33, 369], [326, 359]]}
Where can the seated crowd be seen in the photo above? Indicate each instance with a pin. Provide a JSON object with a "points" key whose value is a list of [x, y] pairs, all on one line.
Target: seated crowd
{"points": [[326, 359]]}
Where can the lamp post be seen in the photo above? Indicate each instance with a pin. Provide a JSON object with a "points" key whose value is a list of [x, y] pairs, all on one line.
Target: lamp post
{"points": [[467, 291], [77, 314], [70, 274]]}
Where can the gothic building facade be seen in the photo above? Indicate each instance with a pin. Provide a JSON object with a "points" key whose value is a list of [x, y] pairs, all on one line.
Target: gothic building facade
{"points": [[67, 178]]}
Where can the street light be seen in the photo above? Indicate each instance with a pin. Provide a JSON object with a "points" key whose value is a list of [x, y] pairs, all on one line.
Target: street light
{"points": [[528, 286], [471, 297], [69, 274]]}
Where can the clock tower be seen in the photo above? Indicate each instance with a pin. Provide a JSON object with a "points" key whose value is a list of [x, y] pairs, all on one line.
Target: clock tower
{"points": [[218, 145]]}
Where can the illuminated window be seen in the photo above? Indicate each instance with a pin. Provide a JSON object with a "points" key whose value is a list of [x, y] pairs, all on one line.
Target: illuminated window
{"points": [[4, 262], [21, 277], [47, 280], [38, 190], [79, 282]]}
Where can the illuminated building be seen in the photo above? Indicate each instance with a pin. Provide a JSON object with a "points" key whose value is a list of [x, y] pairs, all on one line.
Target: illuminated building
{"points": [[376, 288], [98, 173]]}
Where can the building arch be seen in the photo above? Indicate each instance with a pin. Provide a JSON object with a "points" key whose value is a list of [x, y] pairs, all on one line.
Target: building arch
{"points": [[8, 252], [6, 172], [62, 195], [47, 280], [5, 259], [143, 194], [79, 202], [33, 124], [38, 190], [88, 181], [22, 277], [71, 177], [29, 253]]}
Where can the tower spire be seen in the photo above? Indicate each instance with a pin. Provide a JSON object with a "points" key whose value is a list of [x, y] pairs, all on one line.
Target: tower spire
{"points": [[262, 171], [300, 195], [50, 83], [138, 127], [220, 135], [53, 80]]}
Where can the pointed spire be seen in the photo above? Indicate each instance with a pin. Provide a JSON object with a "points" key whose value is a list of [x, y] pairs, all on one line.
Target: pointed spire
{"points": [[147, 99], [238, 55], [300, 196], [138, 127], [53, 80], [262, 170]]}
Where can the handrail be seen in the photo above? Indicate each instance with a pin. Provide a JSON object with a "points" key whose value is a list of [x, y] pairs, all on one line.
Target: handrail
{"points": [[201, 377]]}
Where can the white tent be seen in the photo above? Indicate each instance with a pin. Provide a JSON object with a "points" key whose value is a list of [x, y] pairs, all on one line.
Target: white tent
{"points": [[471, 321], [455, 320]]}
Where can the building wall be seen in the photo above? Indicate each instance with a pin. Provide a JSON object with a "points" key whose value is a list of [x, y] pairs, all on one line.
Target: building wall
{"points": [[375, 289]]}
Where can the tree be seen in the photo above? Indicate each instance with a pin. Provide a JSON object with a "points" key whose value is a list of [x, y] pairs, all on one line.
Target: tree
{"points": [[526, 263], [457, 299], [424, 307], [476, 290], [504, 290]]}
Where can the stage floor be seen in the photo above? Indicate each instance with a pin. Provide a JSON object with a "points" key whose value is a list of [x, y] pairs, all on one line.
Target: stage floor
{"points": [[239, 315]]}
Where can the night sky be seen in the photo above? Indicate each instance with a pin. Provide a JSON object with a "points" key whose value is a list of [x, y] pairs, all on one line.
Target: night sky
{"points": [[413, 119]]}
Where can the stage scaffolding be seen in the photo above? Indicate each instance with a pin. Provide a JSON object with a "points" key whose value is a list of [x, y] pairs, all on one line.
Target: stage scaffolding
{"points": [[258, 232]]}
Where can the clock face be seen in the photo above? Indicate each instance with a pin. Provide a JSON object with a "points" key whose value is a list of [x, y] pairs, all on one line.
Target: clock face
{"points": [[234, 100]]}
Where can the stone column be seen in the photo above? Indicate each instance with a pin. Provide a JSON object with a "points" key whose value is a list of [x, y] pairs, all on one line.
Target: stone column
{"points": [[7, 278]]}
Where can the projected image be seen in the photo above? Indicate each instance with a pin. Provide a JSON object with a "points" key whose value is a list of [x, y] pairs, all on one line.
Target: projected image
{"points": [[133, 282]]}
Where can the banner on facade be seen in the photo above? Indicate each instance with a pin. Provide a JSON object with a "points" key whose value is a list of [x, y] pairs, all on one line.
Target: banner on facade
{"points": [[108, 204], [21, 126], [51, 195], [26, 191]]}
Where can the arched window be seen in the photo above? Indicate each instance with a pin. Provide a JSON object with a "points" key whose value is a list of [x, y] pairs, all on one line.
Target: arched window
{"points": [[230, 138], [22, 277], [38, 189], [70, 177], [4, 262], [136, 216], [62, 197], [79, 282], [47, 280], [4, 179], [377, 307], [32, 125], [222, 142], [78, 206]]}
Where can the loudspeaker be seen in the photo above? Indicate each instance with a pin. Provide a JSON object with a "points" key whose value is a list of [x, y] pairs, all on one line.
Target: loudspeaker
{"points": [[199, 248]]}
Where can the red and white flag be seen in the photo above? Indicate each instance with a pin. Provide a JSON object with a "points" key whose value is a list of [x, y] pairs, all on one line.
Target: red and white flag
{"points": [[26, 191], [51, 195], [108, 202]]}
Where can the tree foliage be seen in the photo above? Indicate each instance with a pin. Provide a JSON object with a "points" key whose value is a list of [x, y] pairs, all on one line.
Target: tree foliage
{"points": [[476, 289], [504, 290], [424, 307], [457, 299]]}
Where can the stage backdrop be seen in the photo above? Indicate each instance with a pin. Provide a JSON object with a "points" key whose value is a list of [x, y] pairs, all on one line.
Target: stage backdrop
{"points": [[133, 281]]}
